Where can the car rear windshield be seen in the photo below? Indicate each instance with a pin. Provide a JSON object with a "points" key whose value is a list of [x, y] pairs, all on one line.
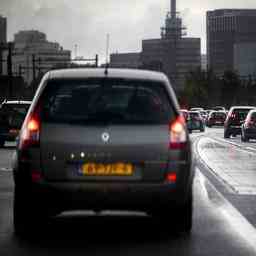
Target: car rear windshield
{"points": [[106, 101], [218, 115], [241, 113], [194, 114], [13, 114]]}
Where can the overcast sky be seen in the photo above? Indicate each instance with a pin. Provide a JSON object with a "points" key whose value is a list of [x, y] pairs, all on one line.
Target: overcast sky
{"points": [[87, 22]]}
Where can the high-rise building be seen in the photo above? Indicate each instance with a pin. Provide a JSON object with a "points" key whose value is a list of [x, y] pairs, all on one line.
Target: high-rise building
{"points": [[3, 39], [34, 54], [229, 34], [125, 60], [173, 54], [3, 30]]}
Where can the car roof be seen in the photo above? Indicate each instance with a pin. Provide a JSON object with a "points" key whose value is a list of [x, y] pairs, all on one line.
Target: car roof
{"points": [[196, 112], [16, 102], [77, 73], [243, 107]]}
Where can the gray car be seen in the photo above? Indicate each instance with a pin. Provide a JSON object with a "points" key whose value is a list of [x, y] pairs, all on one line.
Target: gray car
{"points": [[103, 140]]}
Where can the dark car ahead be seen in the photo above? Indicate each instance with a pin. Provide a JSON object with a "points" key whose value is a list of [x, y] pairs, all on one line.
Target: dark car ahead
{"points": [[216, 118], [234, 120], [196, 122], [103, 140], [12, 115], [248, 128], [185, 114]]}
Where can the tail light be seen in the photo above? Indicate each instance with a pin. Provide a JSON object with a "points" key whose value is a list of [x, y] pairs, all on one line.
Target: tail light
{"points": [[177, 133], [249, 124], [30, 131]]}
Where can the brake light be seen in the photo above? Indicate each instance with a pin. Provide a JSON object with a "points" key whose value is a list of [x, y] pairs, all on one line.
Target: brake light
{"points": [[249, 124], [30, 131], [177, 133], [171, 177]]}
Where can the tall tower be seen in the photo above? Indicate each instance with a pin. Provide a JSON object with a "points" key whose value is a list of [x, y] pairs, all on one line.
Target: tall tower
{"points": [[173, 24], [3, 30], [173, 9]]}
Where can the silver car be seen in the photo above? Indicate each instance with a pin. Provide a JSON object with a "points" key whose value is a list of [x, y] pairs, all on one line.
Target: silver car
{"points": [[103, 140]]}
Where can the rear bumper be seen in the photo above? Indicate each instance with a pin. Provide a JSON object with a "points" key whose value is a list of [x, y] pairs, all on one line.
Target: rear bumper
{"points": [[233, 129], [143, 197], [250, 133]]}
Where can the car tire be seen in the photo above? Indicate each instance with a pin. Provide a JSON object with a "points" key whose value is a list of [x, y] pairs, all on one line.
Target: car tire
{"points": [[26, 215], [2, 143], [226, 135], [182, 215]]}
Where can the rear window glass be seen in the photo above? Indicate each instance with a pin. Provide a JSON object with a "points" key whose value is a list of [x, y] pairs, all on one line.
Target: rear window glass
{"points": [[192, 115], [241, 113], [106, 101], [218, 115], [13, 114]]}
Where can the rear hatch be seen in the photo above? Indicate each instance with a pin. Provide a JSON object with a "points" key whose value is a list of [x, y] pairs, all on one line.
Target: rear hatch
{"points": [[238, 116], [11, 118], [105, 129]]}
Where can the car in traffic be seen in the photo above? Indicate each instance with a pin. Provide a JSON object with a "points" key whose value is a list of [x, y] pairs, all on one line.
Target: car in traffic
{"points": [[219, 108], [216, 118], [103, 139], [196, 109], [185, 114], [248, 128], [235, 119], [12, 114], [196, 122]]}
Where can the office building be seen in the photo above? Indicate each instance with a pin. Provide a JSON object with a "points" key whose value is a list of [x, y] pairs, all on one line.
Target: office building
{"points": [[125, 60], [3, 30], [173, 53], [229, 33], [34, 54], [3, 39]]}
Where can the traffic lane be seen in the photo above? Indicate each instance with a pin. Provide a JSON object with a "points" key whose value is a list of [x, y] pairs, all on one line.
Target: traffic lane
{"points": [[217, 230], [6, 153], [218, 133], [6, 156]]}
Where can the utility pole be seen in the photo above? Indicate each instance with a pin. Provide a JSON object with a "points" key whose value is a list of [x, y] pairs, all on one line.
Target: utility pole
{"points": [[96, 60]]}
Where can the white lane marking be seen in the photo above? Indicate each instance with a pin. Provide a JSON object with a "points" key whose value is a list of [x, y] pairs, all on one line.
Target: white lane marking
{"points": [[232, 216], [5, 169], [236, 179], [235, 144]]}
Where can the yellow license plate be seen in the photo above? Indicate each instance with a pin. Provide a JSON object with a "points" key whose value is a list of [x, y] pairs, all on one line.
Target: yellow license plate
{"points": [[97, 169]]}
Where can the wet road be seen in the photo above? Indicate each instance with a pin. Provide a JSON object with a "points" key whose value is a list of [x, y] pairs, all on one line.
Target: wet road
{"points": [[220, 227]]}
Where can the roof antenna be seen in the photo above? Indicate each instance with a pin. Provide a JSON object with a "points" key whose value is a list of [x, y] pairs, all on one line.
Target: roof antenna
{"points": [[107, 50]]}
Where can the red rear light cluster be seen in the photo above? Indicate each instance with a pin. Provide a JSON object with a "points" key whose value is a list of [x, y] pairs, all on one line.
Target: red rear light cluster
{"points": [[30, 131], [177, 133]]}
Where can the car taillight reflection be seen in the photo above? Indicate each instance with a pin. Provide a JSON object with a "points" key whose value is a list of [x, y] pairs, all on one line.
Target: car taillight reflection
{"points": [[30, 131], [177, 133]]}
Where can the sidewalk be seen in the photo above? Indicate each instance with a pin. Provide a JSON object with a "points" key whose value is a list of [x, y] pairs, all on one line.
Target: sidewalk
{"points": [[234, 166]]}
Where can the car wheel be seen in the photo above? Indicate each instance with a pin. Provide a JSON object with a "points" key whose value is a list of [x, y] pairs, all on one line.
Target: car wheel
{"points": [[1, 143], [26, 215], [182, 215], [226, 134]]}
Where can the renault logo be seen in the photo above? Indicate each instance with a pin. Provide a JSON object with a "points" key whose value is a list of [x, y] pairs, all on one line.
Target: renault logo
{"points": [[105, 136]]}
